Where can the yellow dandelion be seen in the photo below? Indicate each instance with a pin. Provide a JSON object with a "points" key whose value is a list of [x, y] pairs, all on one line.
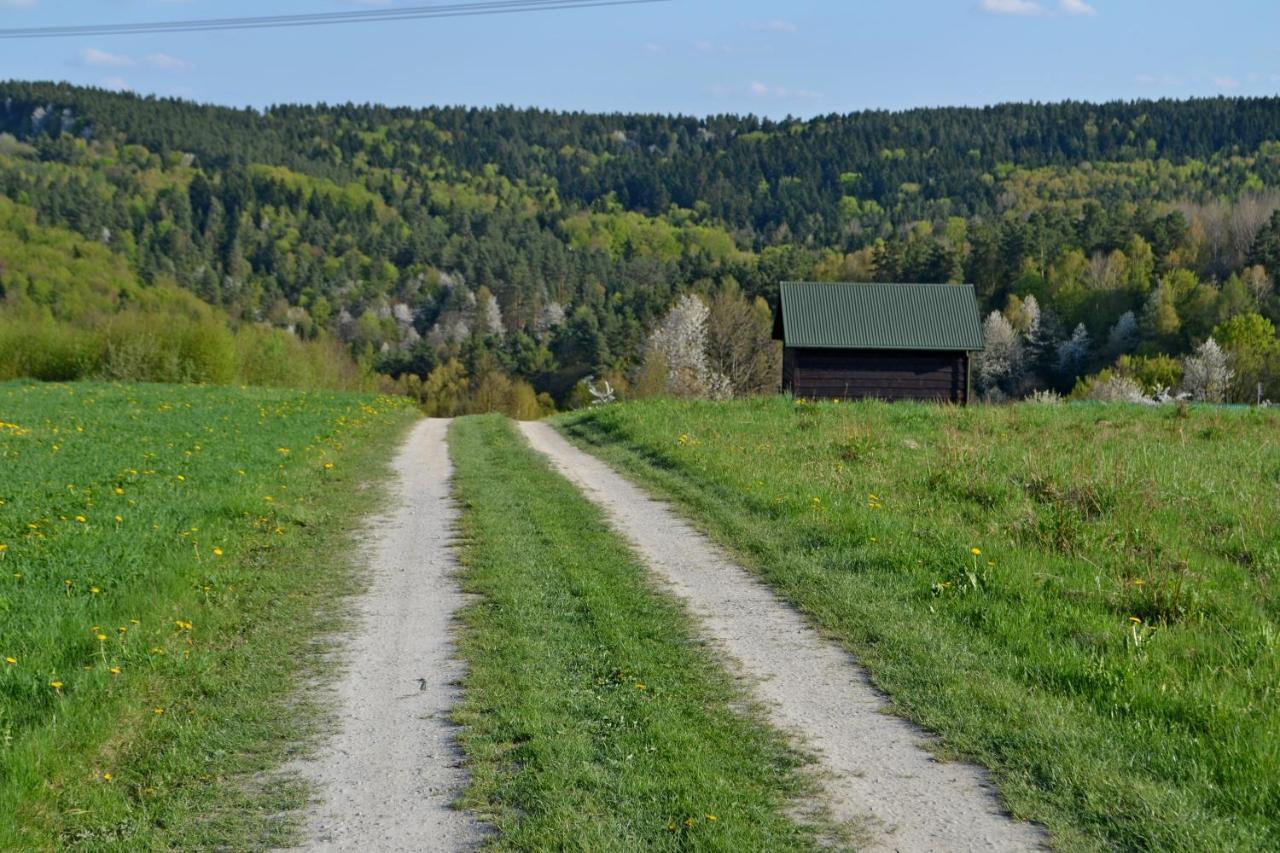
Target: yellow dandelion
{"points": [[712, 817], [217, 552], [157, 711], [977, 552], [115, 670], [3, 547], [1135, 620], [119, 519], [328, 466], [56, 685], [80, 518], [119, 491], [12, 661], [106, 777], [181, 479], [640, 685], [102, 638]]}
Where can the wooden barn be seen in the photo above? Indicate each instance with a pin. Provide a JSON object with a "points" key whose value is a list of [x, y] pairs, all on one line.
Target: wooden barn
{"points": [[885, 341]]}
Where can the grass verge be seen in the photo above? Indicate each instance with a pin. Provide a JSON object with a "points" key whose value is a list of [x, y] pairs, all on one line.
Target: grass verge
{"points": [[168, 556], [1081, 598], [592, 718]]}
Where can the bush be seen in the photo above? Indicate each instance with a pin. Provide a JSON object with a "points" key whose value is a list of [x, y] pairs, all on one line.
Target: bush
{"points": [[1152, 372], [135, 347], [160, 347], [1108, 386], [276, 358], [45, 350]]}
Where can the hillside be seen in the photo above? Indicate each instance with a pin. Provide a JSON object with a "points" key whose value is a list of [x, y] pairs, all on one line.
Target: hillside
{"points": [[542, 248]]}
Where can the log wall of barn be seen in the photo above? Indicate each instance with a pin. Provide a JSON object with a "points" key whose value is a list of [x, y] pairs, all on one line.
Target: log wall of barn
{"points": [[880, 374]]}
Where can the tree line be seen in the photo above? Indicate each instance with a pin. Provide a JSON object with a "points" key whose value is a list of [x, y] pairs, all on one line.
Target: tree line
{"points": [[504, 258]]}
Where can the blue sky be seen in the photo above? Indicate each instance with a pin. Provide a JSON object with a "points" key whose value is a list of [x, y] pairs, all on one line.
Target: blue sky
{"points": [[767, 57]]}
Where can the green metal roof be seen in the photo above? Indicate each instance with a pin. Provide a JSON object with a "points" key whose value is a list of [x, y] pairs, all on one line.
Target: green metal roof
{"points": [[880, 316]]}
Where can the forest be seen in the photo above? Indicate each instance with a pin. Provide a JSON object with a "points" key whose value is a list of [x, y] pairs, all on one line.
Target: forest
{"points": [[524, 260]]}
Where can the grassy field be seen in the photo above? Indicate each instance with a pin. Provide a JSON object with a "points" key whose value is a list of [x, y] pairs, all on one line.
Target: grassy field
{"points": [[165, 555], [1082, 598], [593, 720]]}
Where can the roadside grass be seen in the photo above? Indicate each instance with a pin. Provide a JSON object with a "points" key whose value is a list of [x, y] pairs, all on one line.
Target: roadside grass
{"points": [[1113, 651], [168, 557], [593, 720]]}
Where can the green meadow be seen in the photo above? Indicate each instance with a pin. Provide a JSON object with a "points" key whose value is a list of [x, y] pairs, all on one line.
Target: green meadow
{"points": [[1082, 598], [165, 555]]}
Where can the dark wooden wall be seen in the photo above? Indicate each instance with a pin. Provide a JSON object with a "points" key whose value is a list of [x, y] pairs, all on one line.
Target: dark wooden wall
{"points": [[845, 374]]}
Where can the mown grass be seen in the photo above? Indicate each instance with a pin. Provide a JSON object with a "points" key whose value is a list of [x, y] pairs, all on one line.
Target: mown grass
{"points": [[592, 719], [167, 556], [1113, 653]]}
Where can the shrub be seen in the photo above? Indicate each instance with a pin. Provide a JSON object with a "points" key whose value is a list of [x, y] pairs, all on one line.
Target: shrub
{"points": [[1151, 372], [45, 350]]}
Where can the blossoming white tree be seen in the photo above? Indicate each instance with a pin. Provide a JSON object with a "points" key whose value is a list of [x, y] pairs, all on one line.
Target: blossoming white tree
{"points": [[681, 342], [1205, 374], [1001, 362]]}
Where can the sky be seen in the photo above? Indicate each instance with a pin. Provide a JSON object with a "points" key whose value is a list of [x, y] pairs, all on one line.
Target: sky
{"points": [[694, 57]]}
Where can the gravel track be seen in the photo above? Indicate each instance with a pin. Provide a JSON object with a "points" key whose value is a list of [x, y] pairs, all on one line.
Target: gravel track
{"points": [[878, 773], [389, 776]]}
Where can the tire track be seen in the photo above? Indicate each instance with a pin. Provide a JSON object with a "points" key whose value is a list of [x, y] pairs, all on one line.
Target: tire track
{"points": [[390, 775]]}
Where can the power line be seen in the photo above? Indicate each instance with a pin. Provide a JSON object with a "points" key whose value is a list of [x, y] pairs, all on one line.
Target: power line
{"points": [[408, 13]]}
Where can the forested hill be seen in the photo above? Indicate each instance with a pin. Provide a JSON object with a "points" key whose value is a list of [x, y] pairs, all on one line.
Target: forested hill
{"points": [[545, 247]]}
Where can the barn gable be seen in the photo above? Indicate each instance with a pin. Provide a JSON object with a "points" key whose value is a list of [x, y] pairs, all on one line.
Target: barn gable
{"points": [[887, 341]]}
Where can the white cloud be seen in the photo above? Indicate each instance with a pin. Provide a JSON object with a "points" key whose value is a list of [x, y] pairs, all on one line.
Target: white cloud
{"points": [[102, 59], [711, 48], [1011, 7], [1165, 80], [777, 25], [1076, 7], [165, 62], [765, 90]]}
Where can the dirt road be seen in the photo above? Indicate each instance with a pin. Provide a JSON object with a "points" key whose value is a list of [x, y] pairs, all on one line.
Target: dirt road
{"points": [[389, 775], [879, 773]]}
